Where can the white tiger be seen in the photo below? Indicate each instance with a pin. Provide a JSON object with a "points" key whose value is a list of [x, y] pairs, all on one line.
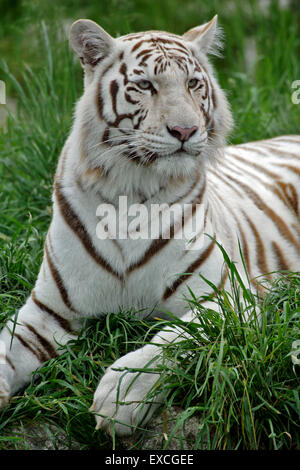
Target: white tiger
{"points": [[151, 119]]}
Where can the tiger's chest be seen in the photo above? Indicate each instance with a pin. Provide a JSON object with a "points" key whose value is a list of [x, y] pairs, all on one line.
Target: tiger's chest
{"points": [[119, 272]]}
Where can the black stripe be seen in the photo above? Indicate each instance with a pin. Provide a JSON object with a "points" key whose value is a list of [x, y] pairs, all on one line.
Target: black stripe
{"points": [[281, 261], [10, 363], [158, 244], [38, 354], [60, 320], [190, 270], [58, 281], [73, 221], [43, 341], [260, 248], [99, 99]]}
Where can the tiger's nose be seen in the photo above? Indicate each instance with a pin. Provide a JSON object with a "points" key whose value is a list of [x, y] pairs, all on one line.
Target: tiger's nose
{"points": [[182, 133]]}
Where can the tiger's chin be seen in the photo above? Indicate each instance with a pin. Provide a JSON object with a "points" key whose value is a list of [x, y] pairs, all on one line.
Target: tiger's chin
{"points": [[178, 164]]}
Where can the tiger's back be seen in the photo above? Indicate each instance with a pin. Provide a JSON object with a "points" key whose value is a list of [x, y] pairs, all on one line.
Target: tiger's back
{"points": [[263, 180]]}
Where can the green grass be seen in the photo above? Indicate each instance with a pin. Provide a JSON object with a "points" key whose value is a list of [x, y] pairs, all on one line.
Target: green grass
{"points": [[238, 379]]}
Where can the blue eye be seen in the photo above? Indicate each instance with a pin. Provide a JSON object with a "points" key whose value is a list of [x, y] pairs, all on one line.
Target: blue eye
{"points": [[144, 84], [193, 82]]}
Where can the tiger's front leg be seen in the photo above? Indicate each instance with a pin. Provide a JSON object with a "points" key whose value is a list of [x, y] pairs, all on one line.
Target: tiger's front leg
{"points": [[122, 400], [27, 342]]}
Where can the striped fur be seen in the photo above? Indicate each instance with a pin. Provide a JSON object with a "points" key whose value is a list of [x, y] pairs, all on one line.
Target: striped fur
{"points": [[139, 90]]}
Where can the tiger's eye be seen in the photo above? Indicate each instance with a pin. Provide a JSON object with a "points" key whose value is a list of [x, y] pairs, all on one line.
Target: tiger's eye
{"points": [[144, 84], [193, 82]]}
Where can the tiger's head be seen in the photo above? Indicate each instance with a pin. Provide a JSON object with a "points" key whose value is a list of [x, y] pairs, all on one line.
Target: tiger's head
{"points": [[150, 99]]}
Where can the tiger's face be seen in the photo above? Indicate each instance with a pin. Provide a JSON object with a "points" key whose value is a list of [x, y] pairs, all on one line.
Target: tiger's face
{"points": [[151, 97]]}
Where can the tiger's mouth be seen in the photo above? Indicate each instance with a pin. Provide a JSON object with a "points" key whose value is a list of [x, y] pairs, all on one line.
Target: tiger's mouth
{"points": [[180, 153], [142, 153], [180, 150], [146, 156]]}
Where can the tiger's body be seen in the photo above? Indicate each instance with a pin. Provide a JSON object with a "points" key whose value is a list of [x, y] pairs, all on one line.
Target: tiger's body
{"points": [[150, 122]]}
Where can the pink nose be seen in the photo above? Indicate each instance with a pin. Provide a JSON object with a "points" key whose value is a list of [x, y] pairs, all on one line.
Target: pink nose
{"points": [[181, 133]]}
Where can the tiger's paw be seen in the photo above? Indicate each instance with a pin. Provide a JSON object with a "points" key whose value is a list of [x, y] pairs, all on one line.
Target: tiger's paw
{"points": [[120, 401], [4, 392]]}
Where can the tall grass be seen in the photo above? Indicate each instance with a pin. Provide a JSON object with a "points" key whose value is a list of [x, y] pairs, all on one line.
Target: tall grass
{"points": [[235, 374]]}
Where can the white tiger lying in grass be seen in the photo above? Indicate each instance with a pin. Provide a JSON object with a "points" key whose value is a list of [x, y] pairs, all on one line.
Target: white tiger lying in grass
{"points": [[150, 121]]}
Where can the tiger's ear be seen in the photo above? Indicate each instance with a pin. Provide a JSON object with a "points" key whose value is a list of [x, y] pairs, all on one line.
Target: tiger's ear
{"points": [[206, 38], [90, 42]]}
